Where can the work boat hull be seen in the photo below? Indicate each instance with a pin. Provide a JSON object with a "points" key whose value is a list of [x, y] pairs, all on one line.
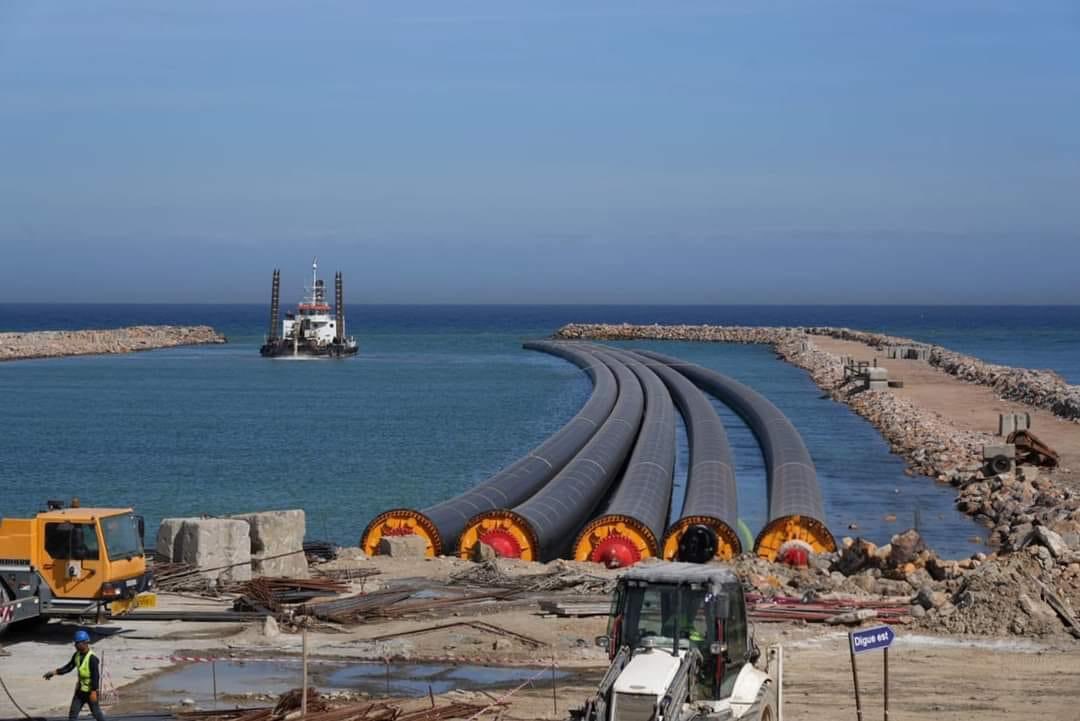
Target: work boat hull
{"points": [[285, 348]]}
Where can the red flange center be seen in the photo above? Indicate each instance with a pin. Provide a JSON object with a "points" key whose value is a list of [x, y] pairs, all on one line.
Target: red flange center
{"points": [[616, 551], [794, 554], [502, 542]]}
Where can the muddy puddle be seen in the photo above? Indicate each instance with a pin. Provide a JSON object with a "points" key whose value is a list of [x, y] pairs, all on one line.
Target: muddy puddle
{"points": [[236, 680]]}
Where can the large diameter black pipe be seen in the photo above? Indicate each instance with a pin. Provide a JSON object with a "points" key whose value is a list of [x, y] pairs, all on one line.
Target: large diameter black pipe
{"points": [[707, 523], [632, 524], [544, 527], [796, 524], [441, 525]]}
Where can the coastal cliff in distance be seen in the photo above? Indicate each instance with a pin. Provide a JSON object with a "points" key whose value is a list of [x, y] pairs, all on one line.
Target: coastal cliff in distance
{"points": [[60, 343]]}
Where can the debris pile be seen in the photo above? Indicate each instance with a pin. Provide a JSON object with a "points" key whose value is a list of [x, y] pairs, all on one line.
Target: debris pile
{"points": [[320, 708], [904, 582], [560, 576]]}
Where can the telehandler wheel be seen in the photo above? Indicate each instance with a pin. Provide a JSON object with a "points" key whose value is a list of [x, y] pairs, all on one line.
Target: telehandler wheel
{"points": [[764, 706]]}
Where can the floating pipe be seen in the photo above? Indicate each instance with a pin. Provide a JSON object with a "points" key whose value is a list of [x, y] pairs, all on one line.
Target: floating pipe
{"points": [[710, 507], [796, 512], [632, 524], [544, 527], [441, 524]]}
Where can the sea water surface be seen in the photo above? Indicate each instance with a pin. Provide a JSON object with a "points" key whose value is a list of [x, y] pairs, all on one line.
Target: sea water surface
{"points": [[439, 398]]}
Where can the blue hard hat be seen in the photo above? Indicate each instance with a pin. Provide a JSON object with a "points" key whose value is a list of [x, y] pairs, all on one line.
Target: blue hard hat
{"points": [[82, 636]]}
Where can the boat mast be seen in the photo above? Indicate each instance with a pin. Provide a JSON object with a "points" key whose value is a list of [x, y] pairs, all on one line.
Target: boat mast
{"points": [[314, 277]]}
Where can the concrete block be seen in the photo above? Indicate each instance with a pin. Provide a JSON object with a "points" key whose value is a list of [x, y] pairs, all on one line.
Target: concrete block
{"points": [[877, 373], [403, 546], [994, 455], [210, 543], [1009, 422], [275, 532], [1002, 449], [164, 544], [294, 565], [877, 385]]}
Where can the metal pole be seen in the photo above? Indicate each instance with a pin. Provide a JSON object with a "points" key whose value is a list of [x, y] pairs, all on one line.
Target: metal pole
{"points": [[779, 683], [886, 661], [855, 678], [554, 686], [303, 699], [213, 676]]}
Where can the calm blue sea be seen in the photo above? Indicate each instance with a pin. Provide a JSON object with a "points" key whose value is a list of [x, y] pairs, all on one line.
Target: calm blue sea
{"points": [[439, 398]]}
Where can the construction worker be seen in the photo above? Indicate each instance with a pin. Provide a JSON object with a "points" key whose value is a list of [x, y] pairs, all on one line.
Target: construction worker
{"points": [[89, 668]]}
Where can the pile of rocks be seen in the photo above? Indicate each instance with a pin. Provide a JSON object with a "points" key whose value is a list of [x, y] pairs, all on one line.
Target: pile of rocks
{"points": [[234, 549], [58, 343], [982, 595]]}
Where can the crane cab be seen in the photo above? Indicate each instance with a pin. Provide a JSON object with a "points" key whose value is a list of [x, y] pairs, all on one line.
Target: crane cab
{"points": [[69, 561]]}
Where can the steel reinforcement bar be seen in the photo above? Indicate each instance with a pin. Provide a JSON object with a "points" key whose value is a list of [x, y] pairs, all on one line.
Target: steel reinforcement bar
{"points": [[441, 525], [708, 520], [796, 512], [544, 527], [633, 521]]}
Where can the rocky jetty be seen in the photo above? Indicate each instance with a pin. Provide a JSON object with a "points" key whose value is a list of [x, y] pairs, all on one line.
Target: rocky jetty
{"points": [[1038, 388], [60, 343]]}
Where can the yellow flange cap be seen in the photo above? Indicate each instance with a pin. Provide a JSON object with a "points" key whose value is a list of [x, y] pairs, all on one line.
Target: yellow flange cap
{"points": [[727, 540], [509, 534], [780, 530], [615, 541], [401, 522]]}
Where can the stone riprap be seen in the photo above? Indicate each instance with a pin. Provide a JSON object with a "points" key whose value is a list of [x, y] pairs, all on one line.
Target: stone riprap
{"points": [[60, 343], [1011, 505]]}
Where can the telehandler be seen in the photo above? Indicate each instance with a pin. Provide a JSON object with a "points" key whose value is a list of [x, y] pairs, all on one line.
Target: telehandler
{"points": [[681, 649]]}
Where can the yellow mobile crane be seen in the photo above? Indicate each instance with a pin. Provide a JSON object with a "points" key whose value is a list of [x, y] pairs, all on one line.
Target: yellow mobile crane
{"points": [[72, 562]]}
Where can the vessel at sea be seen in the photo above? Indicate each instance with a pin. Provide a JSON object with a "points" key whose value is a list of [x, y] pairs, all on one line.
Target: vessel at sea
{"points": [[312, 330]]}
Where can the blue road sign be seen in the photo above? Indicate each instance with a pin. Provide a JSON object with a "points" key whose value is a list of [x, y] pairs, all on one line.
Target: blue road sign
{"points": [[871, 639]]}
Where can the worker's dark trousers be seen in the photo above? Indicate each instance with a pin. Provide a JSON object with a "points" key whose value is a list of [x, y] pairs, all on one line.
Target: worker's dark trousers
{"points": [[77, 702]]}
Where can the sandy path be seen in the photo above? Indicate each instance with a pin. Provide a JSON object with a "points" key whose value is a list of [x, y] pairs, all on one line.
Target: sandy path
{"points": [[967, 406]]}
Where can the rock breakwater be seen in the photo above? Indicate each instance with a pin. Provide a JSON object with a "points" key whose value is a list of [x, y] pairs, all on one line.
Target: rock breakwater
{"points": [[1037, 388], [60, 343]]}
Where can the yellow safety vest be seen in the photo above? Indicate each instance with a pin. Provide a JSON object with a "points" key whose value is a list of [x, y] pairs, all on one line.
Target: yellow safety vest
{"points": [[83, 668]]}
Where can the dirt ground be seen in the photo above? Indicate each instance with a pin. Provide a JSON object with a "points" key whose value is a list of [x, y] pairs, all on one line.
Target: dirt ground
{"points": [[933, 677], [967, 406]]}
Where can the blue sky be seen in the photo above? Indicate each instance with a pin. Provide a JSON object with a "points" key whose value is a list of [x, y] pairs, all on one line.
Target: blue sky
{"points": [[717, 152]]}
